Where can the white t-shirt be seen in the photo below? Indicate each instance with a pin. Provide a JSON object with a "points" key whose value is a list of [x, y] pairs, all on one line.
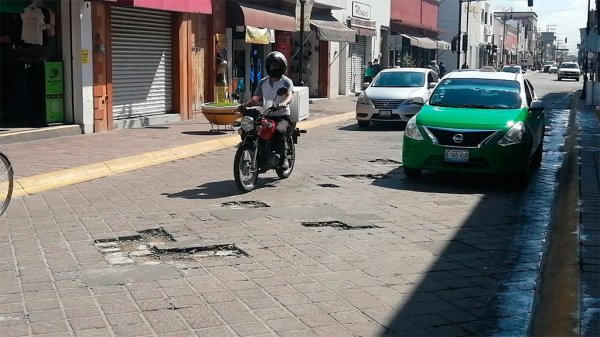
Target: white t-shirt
{"points": [[33, 25], [268, 92]]}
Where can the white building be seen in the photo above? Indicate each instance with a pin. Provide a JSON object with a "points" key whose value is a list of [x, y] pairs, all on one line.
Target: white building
{"points": [[476, 23], [370, 19]]}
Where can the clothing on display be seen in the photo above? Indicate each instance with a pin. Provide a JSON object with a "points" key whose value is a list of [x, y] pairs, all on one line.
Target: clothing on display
{"points": [[37, 23], [33, 25]]}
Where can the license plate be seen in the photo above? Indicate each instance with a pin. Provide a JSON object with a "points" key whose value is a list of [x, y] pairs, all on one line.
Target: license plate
{"points": [[385, 113], [456, 156]]}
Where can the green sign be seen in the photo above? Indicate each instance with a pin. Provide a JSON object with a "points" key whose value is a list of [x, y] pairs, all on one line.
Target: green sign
{"points": [[54, 85]]}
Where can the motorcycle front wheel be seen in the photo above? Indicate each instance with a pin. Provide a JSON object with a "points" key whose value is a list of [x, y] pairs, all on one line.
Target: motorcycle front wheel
{"points": [[245, 175], [291, 153]]}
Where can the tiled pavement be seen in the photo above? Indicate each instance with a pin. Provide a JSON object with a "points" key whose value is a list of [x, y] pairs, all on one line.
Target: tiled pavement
{"points": [[589, 170], [295, 283]]}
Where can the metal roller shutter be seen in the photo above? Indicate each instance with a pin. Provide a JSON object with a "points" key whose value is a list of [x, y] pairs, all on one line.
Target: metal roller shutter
{"points": [[355, 70], [142, 62]]}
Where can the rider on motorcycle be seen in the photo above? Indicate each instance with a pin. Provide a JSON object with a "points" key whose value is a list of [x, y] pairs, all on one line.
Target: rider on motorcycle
{"points": [[275, 64]]}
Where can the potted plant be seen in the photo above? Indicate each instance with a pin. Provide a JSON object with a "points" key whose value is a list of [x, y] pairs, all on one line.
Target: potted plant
{"points": [[221, 113]]}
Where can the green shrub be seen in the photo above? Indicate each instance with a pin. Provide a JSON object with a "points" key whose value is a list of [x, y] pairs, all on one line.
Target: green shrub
{"points": [[222, 104]]}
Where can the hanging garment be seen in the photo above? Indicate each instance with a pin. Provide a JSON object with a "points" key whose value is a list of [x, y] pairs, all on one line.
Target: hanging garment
{"points": [[33, 25]]}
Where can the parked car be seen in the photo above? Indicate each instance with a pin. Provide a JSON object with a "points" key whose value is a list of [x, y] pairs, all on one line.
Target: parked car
{"points": [[512, 69], [553, 68], [547, 66], [477, 122], [569, 70], [388, 98], [488, 68]]}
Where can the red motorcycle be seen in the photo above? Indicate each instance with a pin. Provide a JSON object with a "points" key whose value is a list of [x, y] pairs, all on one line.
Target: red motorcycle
{"points": [[256, 153]]}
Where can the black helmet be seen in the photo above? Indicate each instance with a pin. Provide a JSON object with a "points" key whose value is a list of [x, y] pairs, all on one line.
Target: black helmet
{"points": [[279, 58]]}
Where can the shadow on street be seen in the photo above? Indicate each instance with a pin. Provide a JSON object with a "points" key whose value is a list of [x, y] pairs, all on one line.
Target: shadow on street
{"points": [[219, 189]]}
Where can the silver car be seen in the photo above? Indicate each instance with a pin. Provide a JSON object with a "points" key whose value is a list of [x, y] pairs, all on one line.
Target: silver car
{"points": [[389, 96]]}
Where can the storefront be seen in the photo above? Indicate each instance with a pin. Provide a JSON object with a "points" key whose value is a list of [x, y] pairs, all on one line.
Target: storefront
{"points": [[32, 81], [152, 60], [253, 32], [357, 51], [142, 62]]}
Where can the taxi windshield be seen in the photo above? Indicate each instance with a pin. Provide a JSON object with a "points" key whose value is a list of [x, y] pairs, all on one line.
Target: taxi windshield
{"points": [[477, 93]]}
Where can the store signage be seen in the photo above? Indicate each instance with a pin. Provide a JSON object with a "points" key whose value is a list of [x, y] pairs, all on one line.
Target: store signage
{"points": [[85, 56], [360, 10], [54, 86]]}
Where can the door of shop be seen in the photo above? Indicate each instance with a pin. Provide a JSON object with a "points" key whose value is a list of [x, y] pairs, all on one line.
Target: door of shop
{"points": [[142, 62], [356, 65]]}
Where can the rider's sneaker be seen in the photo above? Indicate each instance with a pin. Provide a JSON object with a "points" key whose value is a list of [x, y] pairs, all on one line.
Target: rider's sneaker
{"points": [[285, 165]]}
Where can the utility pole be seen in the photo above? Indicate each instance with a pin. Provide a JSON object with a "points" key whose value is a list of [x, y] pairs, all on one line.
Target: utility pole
{"points": [[302, 2], [459, 44], [518, 33], [467, 34], [585, 63]]}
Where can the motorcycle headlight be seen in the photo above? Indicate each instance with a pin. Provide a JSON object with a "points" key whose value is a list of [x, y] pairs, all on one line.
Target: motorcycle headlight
{"points": [[412, 131], [514, 135], [247, 123], [363, 99]]}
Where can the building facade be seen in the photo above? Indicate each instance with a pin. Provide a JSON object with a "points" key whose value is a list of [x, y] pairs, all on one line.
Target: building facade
{"points": [[415, 35]]}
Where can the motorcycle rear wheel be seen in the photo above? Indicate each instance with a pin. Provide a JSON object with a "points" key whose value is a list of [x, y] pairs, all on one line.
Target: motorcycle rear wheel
{"points": [[291, 152], [245, 177]]}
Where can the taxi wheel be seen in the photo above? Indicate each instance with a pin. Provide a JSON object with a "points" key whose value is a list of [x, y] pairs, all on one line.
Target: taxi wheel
{"points": [[412, 173]]}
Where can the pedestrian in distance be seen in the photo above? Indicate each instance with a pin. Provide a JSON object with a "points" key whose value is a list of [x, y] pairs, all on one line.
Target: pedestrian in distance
{"points": [[442, 69], [369, 70], [376, 67], [433, 65]]}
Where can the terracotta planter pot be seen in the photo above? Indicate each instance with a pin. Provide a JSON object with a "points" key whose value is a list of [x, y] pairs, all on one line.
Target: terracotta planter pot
{"points": [[221, 115]]}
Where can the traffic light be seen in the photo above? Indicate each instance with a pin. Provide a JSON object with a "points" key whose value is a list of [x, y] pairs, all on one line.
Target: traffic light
{"points": [[530, 3], [465, 43], [494, 49], [454, 44]]}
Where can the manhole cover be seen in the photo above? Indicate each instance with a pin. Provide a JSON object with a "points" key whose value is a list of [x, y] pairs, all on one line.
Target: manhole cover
{"points": [[329, 185], [335, 224], [155, 246], [369, 176], [244, 204], [384, 161]]}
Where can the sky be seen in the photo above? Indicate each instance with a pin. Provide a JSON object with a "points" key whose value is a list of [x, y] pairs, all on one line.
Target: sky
{"points": [[567, 16]]}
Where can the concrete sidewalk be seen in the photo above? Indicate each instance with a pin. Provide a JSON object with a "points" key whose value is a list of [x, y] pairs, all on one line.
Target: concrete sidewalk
{"points": [[45, 164]]}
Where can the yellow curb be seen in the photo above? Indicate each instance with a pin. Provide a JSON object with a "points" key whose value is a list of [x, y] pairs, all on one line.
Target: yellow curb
{"points": [[75, 175]]}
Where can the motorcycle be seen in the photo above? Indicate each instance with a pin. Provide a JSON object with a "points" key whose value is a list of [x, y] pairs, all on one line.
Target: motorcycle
{"points": [[256, 152]]}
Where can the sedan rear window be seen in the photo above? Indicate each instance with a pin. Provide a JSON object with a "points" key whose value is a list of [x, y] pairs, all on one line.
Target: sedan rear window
{"points": [[477, 93], [399, 79]]}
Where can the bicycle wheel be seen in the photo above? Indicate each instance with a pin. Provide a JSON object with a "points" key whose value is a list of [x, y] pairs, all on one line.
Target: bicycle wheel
{"points": [[6, 182]]}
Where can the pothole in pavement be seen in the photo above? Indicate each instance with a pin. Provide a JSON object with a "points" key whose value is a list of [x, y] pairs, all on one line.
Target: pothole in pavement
{"points": [[244, 204], [336, 224], [369, 176], [154, 246], [384, 161], [329, 185]]}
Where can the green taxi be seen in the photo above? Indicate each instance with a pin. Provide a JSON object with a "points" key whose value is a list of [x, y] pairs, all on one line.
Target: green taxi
{"points": [[482, 122]]}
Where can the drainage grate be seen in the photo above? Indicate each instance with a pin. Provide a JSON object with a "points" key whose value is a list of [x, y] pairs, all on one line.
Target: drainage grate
{"points": [[244, 204], [384, 161], [369, 176], [155, 246], [329, 185], [336, 224]]}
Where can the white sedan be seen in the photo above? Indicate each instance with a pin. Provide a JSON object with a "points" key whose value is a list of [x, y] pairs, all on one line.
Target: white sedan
{"points": [[389, 96]]}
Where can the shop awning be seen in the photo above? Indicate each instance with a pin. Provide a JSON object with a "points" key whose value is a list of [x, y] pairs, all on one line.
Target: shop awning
{"points": [[363, 27], [422, 42], [264, 17], [443, 45], [330, 29], [184, 6]]}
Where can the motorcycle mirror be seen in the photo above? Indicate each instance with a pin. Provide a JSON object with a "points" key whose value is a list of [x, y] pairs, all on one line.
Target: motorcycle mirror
{"points": [[282, 91], [235, 97]]}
